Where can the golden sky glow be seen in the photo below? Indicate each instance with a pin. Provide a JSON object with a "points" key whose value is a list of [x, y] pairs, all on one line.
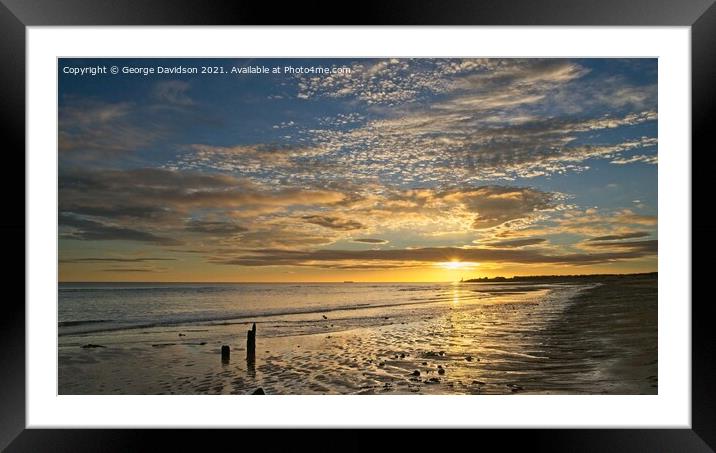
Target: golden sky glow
{"points": [[457, 265]]}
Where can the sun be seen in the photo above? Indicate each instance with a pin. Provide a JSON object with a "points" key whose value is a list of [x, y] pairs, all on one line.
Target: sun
{"points": [[456, 264]]}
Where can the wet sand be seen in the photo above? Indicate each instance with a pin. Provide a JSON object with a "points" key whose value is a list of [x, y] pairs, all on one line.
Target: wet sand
{"points": [[575, 338]]}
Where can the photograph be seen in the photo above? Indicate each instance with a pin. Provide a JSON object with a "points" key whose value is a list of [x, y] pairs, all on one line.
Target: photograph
{"points": [[357, 226]]}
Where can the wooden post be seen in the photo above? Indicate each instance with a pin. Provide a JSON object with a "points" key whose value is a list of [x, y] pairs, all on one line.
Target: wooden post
{"points": [[225, 353], [251, 344]]}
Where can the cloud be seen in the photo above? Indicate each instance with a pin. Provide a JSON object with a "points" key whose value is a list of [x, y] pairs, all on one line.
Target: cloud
{"points": [[249, 160], [87, 112], [436, 211], [90, 129], [616, 237], [221, 215], [612, 91], [93, 206], [574, 228], [495, 205], [278, 234], [153, 205], [214, 227], [129, 269], [89, 230], [514, 243], [102, 128], [593, 222], [149, 192], [448, 146], [389, 81], [451, 122], [428, 255], [628, 216], [114, 260], [335, 223], [456, 144], [647, 159], [649, 246], [172, 93], [395, 81]]}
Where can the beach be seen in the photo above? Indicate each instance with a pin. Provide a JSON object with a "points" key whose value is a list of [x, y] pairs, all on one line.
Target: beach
{"points": [[571, 336]]}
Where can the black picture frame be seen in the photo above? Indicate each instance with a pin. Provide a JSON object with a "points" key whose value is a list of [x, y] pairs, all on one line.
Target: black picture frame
{"points": [[16, 15]]}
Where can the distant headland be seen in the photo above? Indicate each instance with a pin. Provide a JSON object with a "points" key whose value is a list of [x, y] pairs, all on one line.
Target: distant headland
{"points": [[532, 278]]}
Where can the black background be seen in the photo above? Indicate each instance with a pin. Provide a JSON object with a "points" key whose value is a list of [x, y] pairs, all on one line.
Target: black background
{"points": [[15, 15]]}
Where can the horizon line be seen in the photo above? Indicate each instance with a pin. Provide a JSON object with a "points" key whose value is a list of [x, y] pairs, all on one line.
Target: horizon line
{"points": [[367, 281]]}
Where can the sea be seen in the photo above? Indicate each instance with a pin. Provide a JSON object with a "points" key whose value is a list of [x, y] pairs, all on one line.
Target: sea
{"points": [[590, 336]]}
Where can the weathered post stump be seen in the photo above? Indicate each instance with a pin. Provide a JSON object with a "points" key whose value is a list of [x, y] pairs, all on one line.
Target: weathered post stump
{"points": [[251, 344], [225, 353]]}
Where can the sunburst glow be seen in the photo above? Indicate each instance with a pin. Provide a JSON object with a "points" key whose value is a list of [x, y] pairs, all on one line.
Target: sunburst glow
{"points": [[453, 265]]}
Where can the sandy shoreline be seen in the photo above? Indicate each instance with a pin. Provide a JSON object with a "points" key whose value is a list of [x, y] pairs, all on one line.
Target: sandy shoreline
{"points": [[588, 339]]}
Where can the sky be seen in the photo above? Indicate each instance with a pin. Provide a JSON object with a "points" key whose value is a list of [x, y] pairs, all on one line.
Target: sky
{"points": [[373, 170]]}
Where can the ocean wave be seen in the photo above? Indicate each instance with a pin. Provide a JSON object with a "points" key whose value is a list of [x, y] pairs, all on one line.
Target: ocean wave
{"points": [[81, 322], [190, 319]]}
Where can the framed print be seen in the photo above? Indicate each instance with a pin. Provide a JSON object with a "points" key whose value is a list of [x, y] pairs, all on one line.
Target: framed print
{"points": [[359, 226]]}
